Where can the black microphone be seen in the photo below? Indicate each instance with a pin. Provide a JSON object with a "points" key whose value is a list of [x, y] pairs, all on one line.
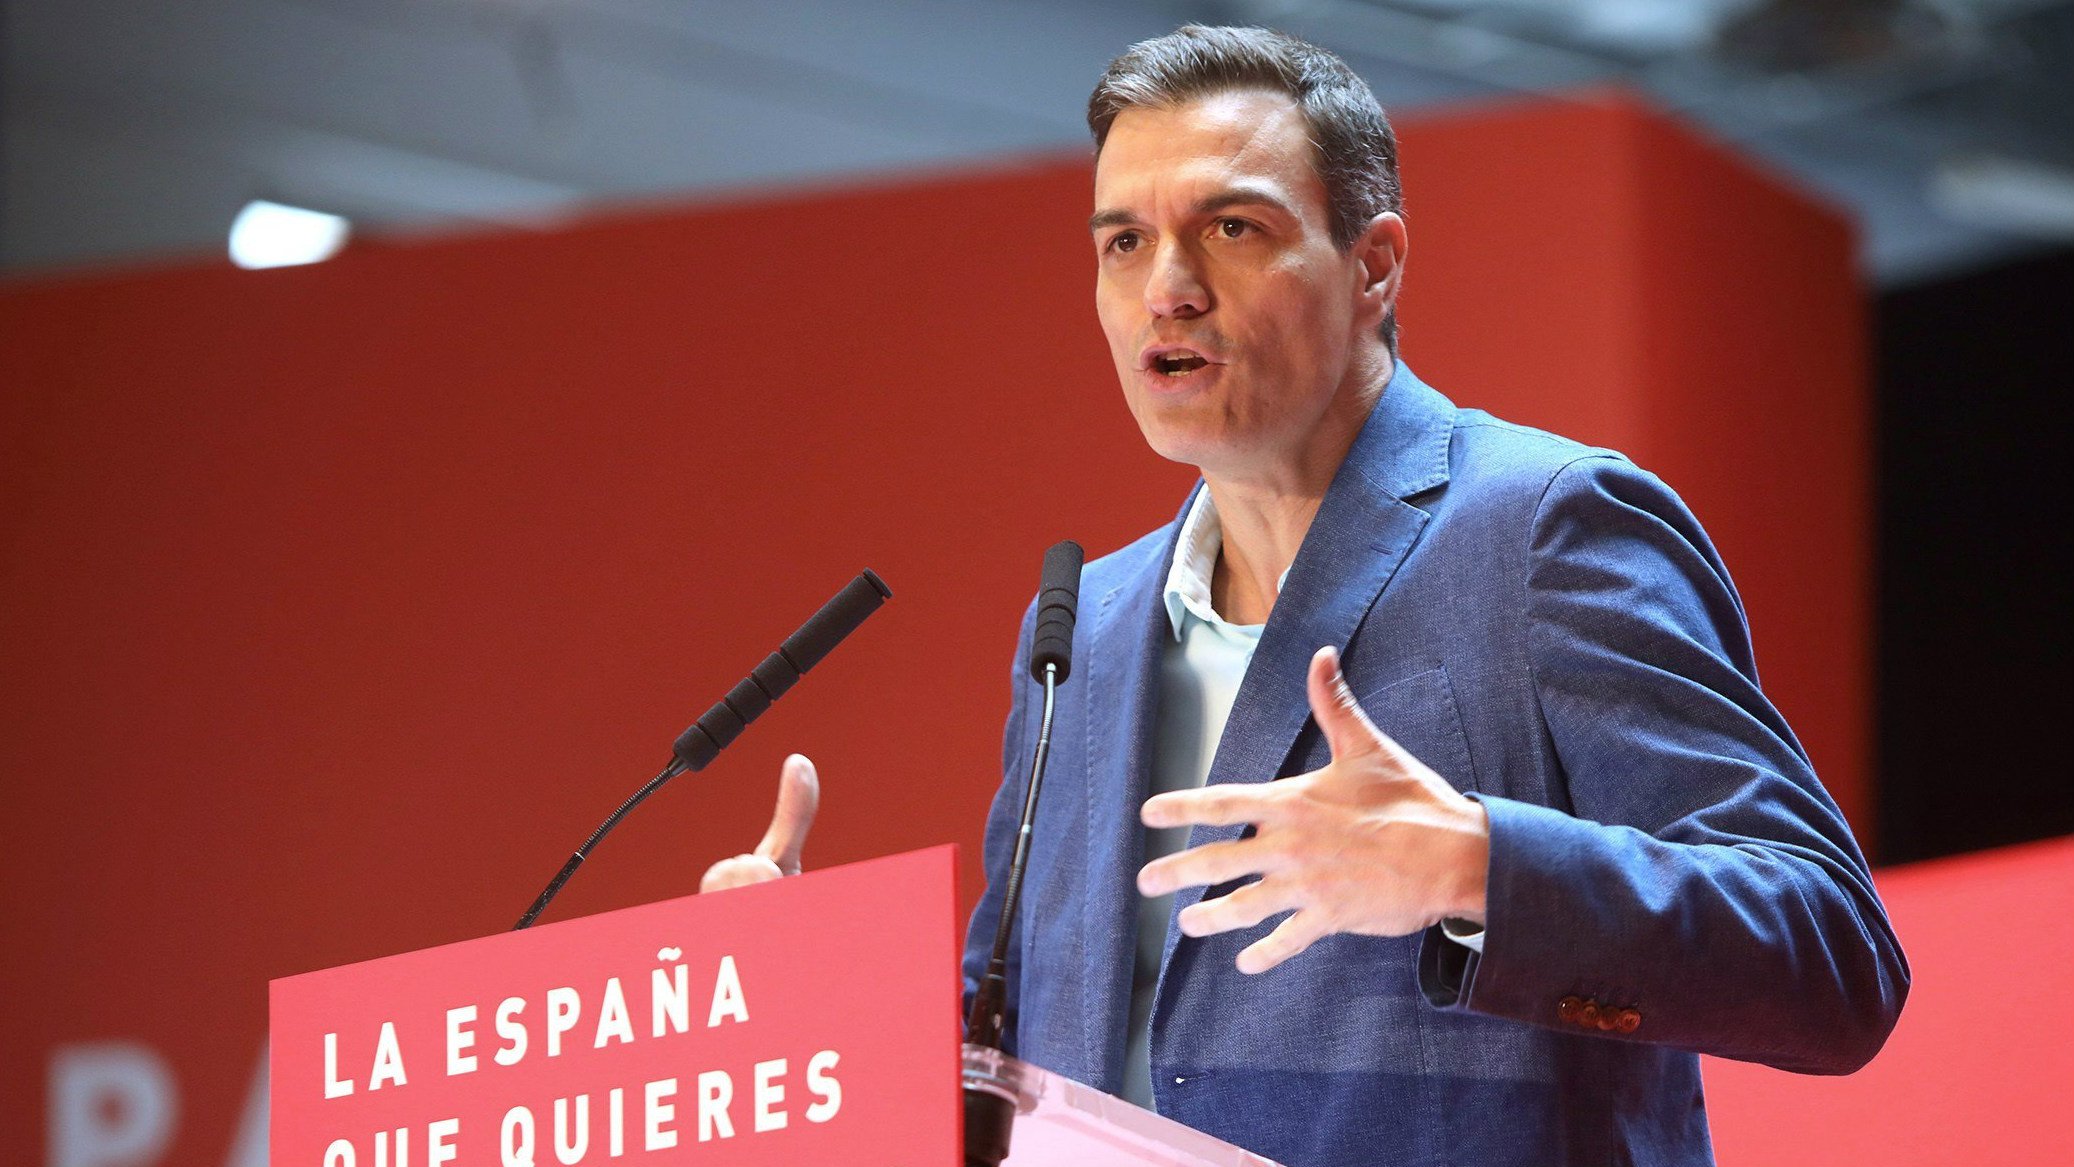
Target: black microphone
{"points": [[768, 681], [1058, 602], [990, 1099], [699, 744]]}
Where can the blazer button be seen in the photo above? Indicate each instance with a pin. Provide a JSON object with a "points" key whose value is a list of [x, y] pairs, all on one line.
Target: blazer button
{"points": [[1589, 1015], [1628, 1020], [1569, 1008], [1609, 1017]]}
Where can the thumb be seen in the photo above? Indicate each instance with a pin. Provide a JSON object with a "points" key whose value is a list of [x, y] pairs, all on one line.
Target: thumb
{"points": [[799, 795], [1348, 731]]}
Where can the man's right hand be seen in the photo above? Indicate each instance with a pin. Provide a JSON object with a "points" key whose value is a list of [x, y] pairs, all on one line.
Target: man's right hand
{"points": [[799, 794]]}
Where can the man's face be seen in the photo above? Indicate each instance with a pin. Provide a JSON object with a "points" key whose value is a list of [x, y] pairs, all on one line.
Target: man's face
{"points": [[1240, 332]]}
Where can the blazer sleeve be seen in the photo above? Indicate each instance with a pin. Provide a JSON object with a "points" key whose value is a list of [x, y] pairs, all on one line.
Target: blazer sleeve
{"points": [[1700, 876], [1003, 817]]}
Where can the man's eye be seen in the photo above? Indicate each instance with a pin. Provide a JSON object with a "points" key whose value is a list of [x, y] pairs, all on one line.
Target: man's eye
{"points": [[1125, 241], [1233, 228]]}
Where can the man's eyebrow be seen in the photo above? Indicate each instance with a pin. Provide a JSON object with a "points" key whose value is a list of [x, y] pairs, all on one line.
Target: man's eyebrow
{"points": [[1207, 205], [1241, 197], [1115, 217]]}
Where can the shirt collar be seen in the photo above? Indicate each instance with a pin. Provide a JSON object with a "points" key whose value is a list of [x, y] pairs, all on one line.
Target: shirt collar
{"points": [[1195, 560]]}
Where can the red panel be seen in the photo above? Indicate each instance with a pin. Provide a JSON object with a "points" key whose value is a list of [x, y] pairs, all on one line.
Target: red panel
{"points": [[708, 1025], [1521, 294], [1981, 1068]]}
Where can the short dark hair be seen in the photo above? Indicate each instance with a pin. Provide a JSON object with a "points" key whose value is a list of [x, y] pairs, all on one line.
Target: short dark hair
{"points": [[1352, 144]]}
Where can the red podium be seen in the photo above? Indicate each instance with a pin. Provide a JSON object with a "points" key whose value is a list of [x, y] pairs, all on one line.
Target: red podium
{"points": [[810, 1020]]}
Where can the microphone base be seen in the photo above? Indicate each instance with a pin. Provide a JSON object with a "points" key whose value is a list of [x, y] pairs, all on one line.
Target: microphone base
{"points": [[988, 1119]]}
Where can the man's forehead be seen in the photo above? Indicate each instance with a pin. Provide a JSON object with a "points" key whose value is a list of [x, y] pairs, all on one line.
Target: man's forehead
{"points": [[1238, 138]]}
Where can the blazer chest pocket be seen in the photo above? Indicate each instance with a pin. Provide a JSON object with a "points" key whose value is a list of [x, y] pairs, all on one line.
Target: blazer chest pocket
{"points": [[1418, 712]]}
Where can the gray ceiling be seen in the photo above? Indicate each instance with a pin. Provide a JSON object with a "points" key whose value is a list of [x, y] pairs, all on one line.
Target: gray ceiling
{"points": [[135, 131]]}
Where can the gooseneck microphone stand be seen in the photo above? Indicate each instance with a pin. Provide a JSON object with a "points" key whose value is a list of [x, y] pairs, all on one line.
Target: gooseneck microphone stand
{"points": [[990, 1104], [729, 716]]}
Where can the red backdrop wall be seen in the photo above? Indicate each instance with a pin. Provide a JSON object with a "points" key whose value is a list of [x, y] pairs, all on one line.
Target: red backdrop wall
{"points": [[341, 601], [1981, 1066]]}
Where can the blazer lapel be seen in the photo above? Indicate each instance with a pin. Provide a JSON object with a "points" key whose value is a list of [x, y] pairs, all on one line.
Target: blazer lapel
{"points": [[1362, 532]]}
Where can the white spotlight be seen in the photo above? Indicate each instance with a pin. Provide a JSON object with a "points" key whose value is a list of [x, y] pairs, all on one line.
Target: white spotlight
{"points": [[275, 235]]}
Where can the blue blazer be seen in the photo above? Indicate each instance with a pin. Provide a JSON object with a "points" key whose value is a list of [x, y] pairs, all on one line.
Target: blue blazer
{"points": [[1547, 627]]}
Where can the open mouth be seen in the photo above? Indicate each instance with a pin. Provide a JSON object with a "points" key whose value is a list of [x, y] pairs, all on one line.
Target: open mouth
{"points": [[1179, 364]]}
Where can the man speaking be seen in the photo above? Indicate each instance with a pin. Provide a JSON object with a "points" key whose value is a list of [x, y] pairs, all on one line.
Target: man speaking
{"points": [[1414, 801]]}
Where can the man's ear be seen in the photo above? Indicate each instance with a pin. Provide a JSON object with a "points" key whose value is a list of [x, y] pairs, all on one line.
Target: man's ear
{"points": [[1381, 249]]}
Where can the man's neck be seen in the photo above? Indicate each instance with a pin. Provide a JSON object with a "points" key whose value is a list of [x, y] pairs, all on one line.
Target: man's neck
{"points": [[1261, 536], [1266, 514]]}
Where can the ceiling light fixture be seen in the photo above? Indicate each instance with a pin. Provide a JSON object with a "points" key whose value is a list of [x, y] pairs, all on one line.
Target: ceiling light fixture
{"points": [[268, 234]]}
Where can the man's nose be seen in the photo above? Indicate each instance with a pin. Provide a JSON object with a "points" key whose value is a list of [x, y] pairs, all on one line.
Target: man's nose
{"points": [[1176, 287]]}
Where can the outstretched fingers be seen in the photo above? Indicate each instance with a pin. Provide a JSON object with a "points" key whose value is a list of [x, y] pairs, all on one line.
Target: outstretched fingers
{"points": [[1223, 805], [1204, 866], [1243, 908], [1290, 937]]}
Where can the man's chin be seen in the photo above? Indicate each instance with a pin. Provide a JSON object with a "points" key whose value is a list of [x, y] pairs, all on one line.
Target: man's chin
{"points": [[1195, 431], [1188, 445]]}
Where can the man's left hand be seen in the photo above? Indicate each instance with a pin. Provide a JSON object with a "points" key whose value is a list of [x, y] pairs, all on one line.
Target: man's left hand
{"points": [[1375, 843]]}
